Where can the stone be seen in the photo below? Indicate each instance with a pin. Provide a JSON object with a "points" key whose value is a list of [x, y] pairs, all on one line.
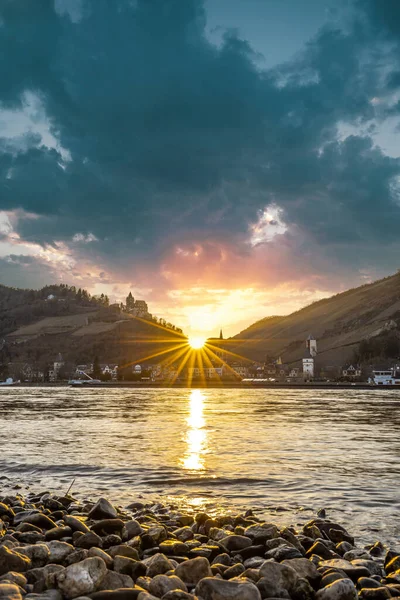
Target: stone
{"points": [[320, 549], [13, 561], [115, 581], [223, 559], [131, 529], [76, 524], [59, 551], [13, 577], [236, 542], [254, 562], [146, 596], [43, 577], [261, 532], [371, 565], [39, 554], [283, 553], [367, 582], [343, 589], [211, 588], [393, 565], [82, 578], [193, 570], [279, 576], [353, 571], [103, 509], [123, 550], [107, 526], [76, 556], [161, 584], [178, 595], [305, 569], [40, 520], [99, 552], [57, 533], [380, 593], [184, 534], [174, 547], [10, 591], [88, 540], [233, 571], [158, 565], [47, 595], [123, 594]]}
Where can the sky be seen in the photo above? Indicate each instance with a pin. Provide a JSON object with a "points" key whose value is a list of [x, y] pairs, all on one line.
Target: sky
{"points": [[225, 160]]}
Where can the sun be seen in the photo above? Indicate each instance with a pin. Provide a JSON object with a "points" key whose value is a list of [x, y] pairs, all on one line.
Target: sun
{"points": [[197, 342]]}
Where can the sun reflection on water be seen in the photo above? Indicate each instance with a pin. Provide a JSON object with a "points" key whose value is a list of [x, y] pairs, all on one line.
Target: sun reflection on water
{"points": [[196, 435]]}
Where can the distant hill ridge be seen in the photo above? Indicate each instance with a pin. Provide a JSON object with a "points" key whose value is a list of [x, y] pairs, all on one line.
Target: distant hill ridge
{"points": [[339, 323]]}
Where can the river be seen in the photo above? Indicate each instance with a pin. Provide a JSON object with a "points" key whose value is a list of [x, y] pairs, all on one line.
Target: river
{"points": [[284, 452]]}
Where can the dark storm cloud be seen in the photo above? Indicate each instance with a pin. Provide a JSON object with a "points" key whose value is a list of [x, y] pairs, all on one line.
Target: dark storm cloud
{"points": [[172, 138]]}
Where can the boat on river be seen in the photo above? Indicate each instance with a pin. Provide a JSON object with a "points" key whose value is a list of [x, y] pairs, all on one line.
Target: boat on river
{"points": [[9, 381], [386, 377]]}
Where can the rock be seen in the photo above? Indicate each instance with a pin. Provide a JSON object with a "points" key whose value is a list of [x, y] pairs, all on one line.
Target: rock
{"points": [[88, 540], [99, 552], [367, 582], [353, 571], [115, 581], [344, 589], [76, 524], [57, 533], [218, 589], [158, 565], [39, 554], [103, 509], [178, 595], [13, 577], [76, 556], [123, 550], [59, 551], [12, 561], [10, 591], [332, 576], [380, 593], [38, 519], [131, 529], [393, 565], [184, 534], [305, 569], [254, 563], [146, 596], [234, 571], [44, 577], [193, 570], [107, 526], [320, 550], [261, 532], [123, 594], [236, 542], [174, 547], [47, 595], [223, 559], [371, 565], [82, 578], [283, 553], [343, 547], [161, 584], [279, 576]]}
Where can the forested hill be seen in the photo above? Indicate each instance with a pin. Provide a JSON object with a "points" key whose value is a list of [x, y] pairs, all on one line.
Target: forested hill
{"points": [[360, 324], [36, 325]]}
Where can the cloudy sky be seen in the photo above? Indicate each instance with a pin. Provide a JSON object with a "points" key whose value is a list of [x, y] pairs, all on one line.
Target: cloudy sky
{"points": [[224, 159]]}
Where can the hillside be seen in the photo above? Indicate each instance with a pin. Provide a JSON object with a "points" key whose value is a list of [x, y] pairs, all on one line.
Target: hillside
{"points": [[36, 325], [339, 323]]}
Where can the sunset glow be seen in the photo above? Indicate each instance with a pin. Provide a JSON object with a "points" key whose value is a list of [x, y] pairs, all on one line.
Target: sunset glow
{"points": [[197, 342]]}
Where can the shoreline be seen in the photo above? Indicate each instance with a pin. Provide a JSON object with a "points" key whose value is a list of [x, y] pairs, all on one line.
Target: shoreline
{"points": [[54, 546], [208, 385]]}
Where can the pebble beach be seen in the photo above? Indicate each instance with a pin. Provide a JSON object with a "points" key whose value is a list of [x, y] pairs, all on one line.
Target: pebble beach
{"points": [[56, 546]]}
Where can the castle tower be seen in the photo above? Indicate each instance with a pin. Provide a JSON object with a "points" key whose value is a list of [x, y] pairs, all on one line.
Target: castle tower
{"points": [[221, 337], [311, 345]]}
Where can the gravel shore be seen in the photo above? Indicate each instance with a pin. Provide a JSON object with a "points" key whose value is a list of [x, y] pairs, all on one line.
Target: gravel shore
{"points": [[54, 547]]}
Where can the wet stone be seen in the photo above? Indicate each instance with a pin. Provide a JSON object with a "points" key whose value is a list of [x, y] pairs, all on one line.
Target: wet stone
{"points": [[57, 533], [108, 526], [283, 553], [161, 584], [192, 571], [76, 524], [82, 578], [343, 589], [218, 589], [12, 561], [380, 593], [10, 591], [88, 540]]}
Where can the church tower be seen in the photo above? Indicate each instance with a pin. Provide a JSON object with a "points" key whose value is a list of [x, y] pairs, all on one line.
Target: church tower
{"points": [[311, 345], [221, 337]]}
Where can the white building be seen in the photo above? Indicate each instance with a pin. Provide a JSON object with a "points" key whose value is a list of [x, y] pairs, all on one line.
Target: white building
{"points": [[206, 372], [57, 365], [352, 372], [308, 365], [311, 345]]}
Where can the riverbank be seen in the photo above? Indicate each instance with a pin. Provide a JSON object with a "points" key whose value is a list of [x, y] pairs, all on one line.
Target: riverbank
{"points": [[55, 546], [208, 385]]}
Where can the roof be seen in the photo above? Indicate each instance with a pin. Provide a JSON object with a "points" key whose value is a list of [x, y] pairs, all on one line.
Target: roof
{"points": [[310, 337]]}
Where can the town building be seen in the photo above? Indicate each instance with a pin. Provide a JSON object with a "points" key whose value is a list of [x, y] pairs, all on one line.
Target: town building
{"points": [[56, 368], [205, 372], [308, 365], [311, 345], [111, 370], [351, 372]]}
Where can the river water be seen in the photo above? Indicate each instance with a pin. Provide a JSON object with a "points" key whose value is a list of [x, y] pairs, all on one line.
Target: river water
{"points": [[284, 452]]}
